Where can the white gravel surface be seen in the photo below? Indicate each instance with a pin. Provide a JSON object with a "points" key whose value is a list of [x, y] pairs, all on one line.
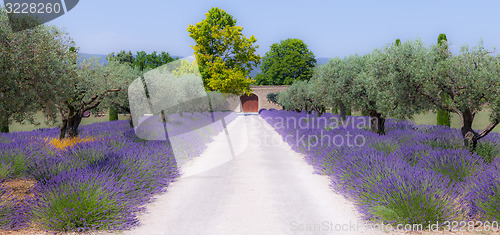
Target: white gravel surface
{"points": [[265, 188]]}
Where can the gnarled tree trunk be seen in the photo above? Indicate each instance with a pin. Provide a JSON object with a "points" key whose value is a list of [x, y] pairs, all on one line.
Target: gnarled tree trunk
{"points": [[470, 136], [72, 113], [4, 124], [126, 109], [342, 113], [377, 123], [71, 119]]}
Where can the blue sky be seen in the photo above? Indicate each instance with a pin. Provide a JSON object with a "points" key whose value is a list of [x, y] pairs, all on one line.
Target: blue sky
{"points": [[330, 28]]}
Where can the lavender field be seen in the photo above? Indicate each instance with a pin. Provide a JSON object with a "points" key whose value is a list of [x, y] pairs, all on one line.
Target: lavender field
{"points": [[101, 180], [412, 175]]}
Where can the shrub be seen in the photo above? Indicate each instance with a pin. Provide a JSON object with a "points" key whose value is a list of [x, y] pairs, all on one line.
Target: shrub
{"points": [[388, 189], [113, 114], [76, 157], [386, 147], [97, 184], [80, 200], [13, 163], [488, 150], [483, 199], [443, 141], [273, 98], [412, 175], [412, 153], [443, 118], [65, 143], [409, 196], [456, 164], [13, 214], [6, 209]]}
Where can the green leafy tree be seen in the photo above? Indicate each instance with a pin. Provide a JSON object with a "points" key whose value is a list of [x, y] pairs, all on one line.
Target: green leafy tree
{"points": [[144, 61], [286, 62], [224, 55], [140, 60], [122, 57], [141, 63], [443, 116], [398, 42]]}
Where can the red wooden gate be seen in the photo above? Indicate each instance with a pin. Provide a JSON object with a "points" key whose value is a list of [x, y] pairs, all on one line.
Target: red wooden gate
{"points": [[250, 103]]}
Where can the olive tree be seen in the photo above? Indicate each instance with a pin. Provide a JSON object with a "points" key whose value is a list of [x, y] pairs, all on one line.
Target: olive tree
{"points": [[373, 83], [301, 96], [119, 100], [334, 80], [402, 99], [34, 67], [464, 84], [91, 86], [369, 91]]}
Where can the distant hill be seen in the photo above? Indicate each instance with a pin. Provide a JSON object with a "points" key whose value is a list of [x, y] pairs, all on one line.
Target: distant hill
{"points": [[319, 61]]}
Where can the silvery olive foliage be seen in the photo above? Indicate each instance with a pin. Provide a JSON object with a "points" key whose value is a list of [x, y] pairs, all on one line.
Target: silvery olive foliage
{"points": [[40, 72], [301, 96], [35, 65]]}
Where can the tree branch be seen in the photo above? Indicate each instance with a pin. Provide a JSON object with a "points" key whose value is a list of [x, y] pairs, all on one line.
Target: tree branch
{"points": [[95, 100], [435, 100], [487, 130]]}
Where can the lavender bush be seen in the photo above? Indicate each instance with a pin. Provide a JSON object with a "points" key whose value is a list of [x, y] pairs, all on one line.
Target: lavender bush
{"points": [[6, 208], [483, 198], [13, 212], [83, 199]]}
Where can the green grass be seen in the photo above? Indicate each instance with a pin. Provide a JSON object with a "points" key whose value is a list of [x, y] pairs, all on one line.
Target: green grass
{"points": [[39, 117], [480, 122]]}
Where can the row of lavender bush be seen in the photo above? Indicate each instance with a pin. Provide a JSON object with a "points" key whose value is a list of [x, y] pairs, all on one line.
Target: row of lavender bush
{"points": [[100, 184], [412, 175]]}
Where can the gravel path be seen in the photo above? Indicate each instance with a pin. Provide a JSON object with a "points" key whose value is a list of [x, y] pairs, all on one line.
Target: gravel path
{"points": [[264, 188]]}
